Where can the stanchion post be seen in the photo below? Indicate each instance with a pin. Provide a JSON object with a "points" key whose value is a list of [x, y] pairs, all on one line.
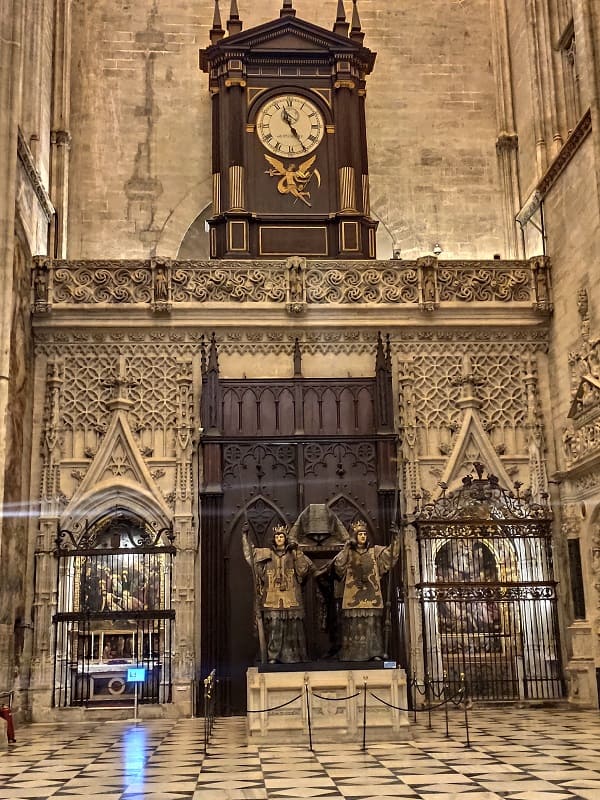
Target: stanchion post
{"points": [[415, 688], [428, 697], [208, 708], [310, 743], [463, 688], [446, 701], [364, 741]]}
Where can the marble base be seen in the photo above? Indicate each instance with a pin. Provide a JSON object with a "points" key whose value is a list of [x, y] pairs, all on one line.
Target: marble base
{"points": [[327, 698], [583, 685]]}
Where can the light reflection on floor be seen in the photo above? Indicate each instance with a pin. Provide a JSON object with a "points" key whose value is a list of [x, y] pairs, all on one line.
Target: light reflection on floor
{"points": [[134, 754], [515, 754]]}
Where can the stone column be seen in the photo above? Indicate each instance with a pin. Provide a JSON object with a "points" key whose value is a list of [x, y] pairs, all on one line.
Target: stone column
{"points": [[11, 74], [60, 137], [507, 143], [586, 21]]}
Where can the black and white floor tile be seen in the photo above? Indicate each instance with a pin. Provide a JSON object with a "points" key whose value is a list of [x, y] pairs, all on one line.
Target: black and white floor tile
{"points": [[514, 754]]}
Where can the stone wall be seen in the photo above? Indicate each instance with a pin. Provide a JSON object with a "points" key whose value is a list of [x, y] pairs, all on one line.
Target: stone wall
{"points": [[14, 614], [141, 124]]}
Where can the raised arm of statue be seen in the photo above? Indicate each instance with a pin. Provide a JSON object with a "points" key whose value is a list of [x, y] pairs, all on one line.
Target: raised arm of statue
{"points": [[388, 556]]}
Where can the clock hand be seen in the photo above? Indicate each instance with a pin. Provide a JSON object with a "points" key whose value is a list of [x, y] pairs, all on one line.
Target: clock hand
{"points": [[288, 119]]}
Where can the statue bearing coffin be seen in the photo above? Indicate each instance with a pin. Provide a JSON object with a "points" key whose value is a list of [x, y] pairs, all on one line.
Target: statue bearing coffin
{"points": [[349, 584]]}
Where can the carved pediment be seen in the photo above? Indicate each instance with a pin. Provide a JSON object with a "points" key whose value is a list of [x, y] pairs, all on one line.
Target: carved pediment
{"points": [[288, 34], [118, 470], [473, 444], [586, 400]]}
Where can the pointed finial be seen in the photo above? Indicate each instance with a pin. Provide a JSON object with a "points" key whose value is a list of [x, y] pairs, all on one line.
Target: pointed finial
{"points": [[203, 354], [341, 26], [287, 9], [216, 32], [380, 354], [356, 32], [213, 356], [388, 353], [234, 23], [297, 359]]}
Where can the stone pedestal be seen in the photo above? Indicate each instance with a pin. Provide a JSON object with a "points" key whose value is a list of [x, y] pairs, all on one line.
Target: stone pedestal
{"points": [[338, 703], [581, 669]]}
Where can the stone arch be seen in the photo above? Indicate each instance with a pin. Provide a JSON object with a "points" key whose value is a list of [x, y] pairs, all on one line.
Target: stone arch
{"points": [[104, 498], [177, 224]]}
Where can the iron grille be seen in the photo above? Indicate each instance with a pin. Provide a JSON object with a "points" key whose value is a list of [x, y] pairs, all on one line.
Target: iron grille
{"points": [[114, 613], [487, 593]]}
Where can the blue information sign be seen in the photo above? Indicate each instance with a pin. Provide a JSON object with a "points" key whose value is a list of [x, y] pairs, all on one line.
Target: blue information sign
{"points": [[136, 674]]}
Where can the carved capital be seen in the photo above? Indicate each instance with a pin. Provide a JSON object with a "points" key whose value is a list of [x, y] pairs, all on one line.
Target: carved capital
{"points": [[61, 138], [507, 142]]}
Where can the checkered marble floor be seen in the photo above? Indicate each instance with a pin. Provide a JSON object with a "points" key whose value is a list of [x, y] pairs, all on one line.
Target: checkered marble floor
{"points": [[515, 754]]}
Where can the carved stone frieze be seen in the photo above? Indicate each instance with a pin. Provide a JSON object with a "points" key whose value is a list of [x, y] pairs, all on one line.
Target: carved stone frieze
{"points": [[581, 434], [239, 283], [581, 443], [186, 341], [426, 282], [499, 281], [363, 282], [93, 282], [587, 483]]}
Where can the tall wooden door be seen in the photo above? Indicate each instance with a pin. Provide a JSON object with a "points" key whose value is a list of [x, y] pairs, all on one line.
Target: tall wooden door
{"points": [[270, 448]]}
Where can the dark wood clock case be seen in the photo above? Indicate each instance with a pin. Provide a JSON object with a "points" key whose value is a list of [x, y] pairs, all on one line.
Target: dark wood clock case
{"points": [[296, 198]]}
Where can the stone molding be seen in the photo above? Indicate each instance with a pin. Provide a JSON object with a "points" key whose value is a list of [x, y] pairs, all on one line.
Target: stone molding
{"points": [[427, 284], [568, 150], [278, 340], [35, 179]]}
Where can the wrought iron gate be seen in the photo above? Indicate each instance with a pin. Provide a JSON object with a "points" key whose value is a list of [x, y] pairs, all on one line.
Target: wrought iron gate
{"points": [[487, 592], [114, 613]]}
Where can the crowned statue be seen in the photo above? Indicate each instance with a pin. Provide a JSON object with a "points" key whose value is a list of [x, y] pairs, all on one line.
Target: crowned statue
{"points": [[280, 572], [360, 566]]}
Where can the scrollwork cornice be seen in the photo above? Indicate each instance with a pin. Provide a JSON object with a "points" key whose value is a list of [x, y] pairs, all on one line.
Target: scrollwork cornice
{"points": [[164, 285]]}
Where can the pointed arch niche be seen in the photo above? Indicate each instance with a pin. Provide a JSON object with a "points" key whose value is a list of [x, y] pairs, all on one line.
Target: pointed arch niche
{"points": [[272, 448], [487, 592], [114, 610]]}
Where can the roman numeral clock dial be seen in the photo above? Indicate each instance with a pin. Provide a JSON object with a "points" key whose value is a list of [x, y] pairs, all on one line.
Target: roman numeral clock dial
{"points": [[290, 125]]}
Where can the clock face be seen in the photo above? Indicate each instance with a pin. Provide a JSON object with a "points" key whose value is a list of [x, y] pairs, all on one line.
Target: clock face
{"points": [[289, 125]]}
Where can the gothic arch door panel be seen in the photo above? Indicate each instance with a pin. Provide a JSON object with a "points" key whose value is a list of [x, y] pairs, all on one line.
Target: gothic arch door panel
{"points": [[276, 447]]}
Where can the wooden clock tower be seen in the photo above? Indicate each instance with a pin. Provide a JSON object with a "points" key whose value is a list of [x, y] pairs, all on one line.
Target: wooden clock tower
{"points": [[289, 152]]}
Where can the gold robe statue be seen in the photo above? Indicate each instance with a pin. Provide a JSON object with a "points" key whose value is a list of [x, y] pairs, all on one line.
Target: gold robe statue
{"points": [[360, 566], [281, 571]]}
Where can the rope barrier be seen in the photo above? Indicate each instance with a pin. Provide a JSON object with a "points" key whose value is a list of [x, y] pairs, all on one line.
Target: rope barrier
{"points": [[458, 698], [335, 699], [274, 708], [429, 708]]}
